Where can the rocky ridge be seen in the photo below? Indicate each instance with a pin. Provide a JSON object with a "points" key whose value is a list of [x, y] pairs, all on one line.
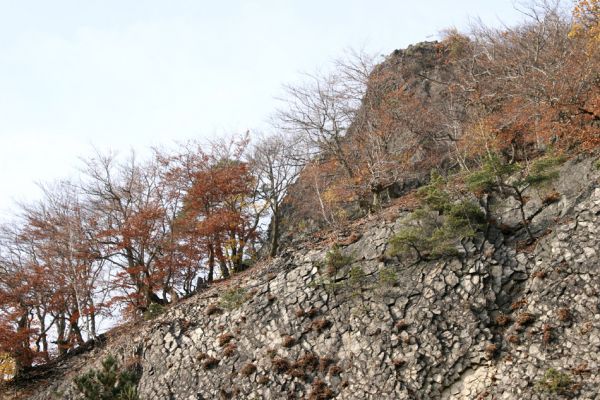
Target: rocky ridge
{"points": [[488, 324]]}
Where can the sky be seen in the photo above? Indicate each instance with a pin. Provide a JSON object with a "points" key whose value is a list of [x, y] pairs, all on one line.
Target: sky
{"points": [[81, 75]]}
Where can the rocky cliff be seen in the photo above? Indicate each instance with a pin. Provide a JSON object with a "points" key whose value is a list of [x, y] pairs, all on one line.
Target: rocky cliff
{"points": [[496, 322]]}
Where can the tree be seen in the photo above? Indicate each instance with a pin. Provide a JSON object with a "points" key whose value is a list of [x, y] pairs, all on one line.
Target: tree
{"points": [[276, 166], [321, 110], [434, 229], [124, 200], [513, 179], [222, 205], [110, 383], [586, 15], [62, 230]]}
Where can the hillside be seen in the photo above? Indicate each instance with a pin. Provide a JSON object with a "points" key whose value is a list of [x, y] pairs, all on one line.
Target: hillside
{"points": [[433, 235], [488, 324]]}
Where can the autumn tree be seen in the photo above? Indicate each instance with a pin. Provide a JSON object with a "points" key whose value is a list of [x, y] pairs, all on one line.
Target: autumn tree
{"points": [[586, 15], [62, 231], [124, 200], [223, 205]]}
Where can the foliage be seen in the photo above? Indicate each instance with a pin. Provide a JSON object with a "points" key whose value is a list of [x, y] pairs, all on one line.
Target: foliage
{"points": [[154, 310], [233, 298], [387, 277], [335, 260], [109, 383], [434, 228], [492, 174], [7, 367], [497, 175], [586, 14], [555, 382]]}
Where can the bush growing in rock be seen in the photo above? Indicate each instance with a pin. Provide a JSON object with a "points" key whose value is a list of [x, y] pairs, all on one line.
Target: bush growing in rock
{"points": [[435, 228], [512, 179], [335, 260], [212, 309], [233, 298], [320, 325], [387, 277], [248, 369], [224, 339], [308, 361], [514, 339], [335, 370], [109, 383], [503, 320], [555, 382], [491, 350], [280, 364], [320, 391], [398, 362], [287, 341], [564, 315], [210, 363], [356, 279], [313, 312], [324, 363], [518, 304], [229, 350], [525, 318], [154, 310]]}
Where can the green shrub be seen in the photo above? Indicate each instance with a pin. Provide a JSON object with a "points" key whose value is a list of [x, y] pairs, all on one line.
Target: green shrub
{"points": [[387, 277], [435, 228], [433, 195], [555, 382], [109, 383], [544, 170], [233, 298], [335, 260], [512, 179], [154, 310], [493, 173], [436, 235], [356, 277]]}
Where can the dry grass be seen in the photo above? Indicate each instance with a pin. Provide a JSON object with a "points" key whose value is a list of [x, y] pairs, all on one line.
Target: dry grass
{"points": [[248, 369], [224, 339], [320, 391], [319, 325], [564, 315], [503, 320], [287, 341], [518, 304], [280, 365], [525, 318], [229, 350], [210, 363], [212, 309]]}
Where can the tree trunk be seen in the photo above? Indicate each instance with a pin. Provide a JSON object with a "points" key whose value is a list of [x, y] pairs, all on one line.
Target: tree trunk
{"points": [[274, 233], [211, 263]]}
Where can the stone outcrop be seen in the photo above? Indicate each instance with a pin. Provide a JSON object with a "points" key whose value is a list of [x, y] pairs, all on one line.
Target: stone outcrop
{"points": [[488, 324]]}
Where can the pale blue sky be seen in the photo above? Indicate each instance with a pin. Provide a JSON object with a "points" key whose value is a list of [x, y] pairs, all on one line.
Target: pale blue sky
{"points": [[136, 73]]}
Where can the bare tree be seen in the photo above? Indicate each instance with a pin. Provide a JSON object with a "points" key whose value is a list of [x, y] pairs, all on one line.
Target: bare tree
{"points": [[276, 163], [322, 108]]}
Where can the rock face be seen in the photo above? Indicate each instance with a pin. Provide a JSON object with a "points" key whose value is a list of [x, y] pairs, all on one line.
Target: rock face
{"points": [[489, 324]]}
